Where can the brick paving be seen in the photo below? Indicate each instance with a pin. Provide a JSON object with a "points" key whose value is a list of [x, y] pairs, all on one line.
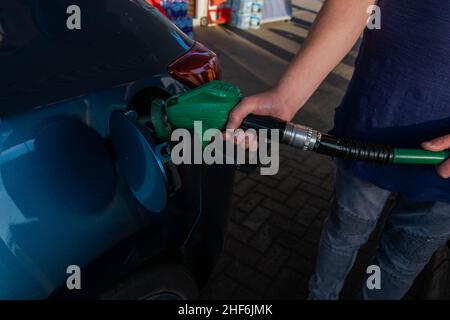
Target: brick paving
{"points": [[274, 229]]}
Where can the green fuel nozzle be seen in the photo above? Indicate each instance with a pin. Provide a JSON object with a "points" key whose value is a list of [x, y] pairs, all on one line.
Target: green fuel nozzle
{"points": [[212, 103]]}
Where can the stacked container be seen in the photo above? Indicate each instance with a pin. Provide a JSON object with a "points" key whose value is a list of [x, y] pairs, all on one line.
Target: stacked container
{"points": [[177, 11], [246, 13], [257, 12]]}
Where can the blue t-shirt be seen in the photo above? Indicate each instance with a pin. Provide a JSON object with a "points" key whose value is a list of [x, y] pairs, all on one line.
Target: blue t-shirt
{"points": [[400, 94]]}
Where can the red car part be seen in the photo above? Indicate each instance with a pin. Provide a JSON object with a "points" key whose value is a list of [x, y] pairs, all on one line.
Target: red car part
{"points": [[158, 5], [196, 67]]}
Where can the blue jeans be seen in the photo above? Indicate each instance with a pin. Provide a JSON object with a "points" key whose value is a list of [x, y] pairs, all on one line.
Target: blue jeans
{"points": [[413, 232]]}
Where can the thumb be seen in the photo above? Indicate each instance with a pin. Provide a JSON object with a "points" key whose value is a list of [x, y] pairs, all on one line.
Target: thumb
{"points": [[437, 144], [238, 114]]}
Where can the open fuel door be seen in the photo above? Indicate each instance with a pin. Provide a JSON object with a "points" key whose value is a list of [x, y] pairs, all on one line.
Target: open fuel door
{"points": [[146, 167]]}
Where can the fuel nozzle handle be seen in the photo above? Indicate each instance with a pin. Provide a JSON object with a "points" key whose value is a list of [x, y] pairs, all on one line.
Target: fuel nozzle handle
{"points": [[307, 138]]}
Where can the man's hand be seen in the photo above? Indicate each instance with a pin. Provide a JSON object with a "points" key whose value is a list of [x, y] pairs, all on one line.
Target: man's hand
{"points": [[269, 103], [440, 144]]}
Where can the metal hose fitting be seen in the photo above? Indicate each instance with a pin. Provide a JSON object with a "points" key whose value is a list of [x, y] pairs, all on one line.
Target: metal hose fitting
{"points": [[300, 136]]}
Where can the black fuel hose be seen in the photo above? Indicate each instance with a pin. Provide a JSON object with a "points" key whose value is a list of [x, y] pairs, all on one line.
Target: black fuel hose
{"points": [[351, 150], [307, 138]]}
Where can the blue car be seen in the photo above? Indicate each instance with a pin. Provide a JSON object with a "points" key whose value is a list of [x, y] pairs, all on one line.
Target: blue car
{"points": [[90, 204]]}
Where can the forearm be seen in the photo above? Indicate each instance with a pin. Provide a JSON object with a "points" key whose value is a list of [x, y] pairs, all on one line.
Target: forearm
{"points": [[335, 31]]}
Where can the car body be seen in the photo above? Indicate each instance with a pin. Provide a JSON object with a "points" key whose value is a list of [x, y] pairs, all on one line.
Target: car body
{"points": [[64, 199]]}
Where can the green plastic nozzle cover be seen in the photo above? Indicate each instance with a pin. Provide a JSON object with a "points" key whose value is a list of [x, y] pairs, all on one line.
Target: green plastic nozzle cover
{"points": [[210, 103], [419, 156]]}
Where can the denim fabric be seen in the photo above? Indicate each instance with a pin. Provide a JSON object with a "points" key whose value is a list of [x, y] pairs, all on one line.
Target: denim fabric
{"points": [[413, 232]]}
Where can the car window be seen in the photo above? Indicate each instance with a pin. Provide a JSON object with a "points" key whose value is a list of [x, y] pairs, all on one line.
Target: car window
{"points": [[2, 34], [51, 18], [43, 61], [2, 31], [16, 26]]}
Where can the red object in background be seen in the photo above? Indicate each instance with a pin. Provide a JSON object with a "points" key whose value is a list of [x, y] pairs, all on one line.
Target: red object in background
{"points": [[158, 5], [224, 15], [198, 66], [216, 8]]}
